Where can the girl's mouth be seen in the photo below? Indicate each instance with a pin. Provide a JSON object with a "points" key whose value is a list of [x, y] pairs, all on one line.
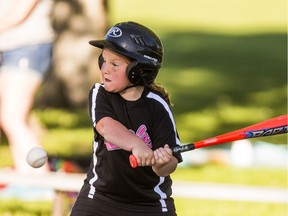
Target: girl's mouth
{"points": [[107, 80]]}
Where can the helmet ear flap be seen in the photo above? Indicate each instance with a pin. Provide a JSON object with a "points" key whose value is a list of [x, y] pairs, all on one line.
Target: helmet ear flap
{"points": [[133, 72], [141, 74], [100, 61]]}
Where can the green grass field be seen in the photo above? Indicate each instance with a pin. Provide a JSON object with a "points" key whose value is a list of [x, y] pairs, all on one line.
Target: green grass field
{"points": [[225, 66], [271, 178], [265, 177], [185, 207], [192, 207]]}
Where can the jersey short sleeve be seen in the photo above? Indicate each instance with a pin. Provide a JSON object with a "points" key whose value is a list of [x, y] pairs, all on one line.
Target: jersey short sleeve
{"points": [[164, 128]]}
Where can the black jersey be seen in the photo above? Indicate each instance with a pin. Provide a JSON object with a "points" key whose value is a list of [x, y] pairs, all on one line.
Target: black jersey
{"points": [[110, 176]]}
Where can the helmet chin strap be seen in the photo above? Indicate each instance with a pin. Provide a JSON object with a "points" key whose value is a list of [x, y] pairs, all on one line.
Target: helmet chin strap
{"points": [[128, 87]]}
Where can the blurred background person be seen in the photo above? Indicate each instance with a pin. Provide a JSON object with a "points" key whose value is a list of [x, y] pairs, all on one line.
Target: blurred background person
{"points": [[26, 45]]}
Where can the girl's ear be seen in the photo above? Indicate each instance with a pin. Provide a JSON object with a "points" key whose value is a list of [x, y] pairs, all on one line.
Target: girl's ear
{"points": [[100, 61]]}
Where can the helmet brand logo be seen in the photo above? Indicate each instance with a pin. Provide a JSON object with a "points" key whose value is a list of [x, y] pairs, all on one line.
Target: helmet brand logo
{"points": [[151, 58], [114, 32]]}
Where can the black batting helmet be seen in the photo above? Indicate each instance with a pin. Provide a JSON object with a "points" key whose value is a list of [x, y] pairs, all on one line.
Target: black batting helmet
{"points": [[138, 43]]}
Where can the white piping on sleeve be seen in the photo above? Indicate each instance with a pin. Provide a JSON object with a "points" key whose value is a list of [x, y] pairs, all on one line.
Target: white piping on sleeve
{"points": [[160, 100]]}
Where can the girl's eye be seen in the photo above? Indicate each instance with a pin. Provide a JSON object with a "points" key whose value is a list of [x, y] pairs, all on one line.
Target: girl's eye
{"points": [[115, 64]]}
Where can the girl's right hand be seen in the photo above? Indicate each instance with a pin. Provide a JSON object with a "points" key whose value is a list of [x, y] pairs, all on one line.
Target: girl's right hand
{"points": [[143, 154]]}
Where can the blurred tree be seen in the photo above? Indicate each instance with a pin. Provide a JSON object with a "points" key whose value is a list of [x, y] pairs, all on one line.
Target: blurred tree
{"points": [[75, 67]]}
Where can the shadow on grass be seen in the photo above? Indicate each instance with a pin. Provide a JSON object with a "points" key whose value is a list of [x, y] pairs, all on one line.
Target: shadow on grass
{"points": [[201, 69]]}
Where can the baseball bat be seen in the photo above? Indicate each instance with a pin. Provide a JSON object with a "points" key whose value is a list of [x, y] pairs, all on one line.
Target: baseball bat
{"points": [[270, 127]]}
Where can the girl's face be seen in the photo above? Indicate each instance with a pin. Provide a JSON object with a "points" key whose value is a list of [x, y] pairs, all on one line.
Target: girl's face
{"points": [[113, 71]]}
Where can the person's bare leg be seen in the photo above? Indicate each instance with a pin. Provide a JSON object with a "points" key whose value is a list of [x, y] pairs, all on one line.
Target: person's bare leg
{"points": [[17, 92]]}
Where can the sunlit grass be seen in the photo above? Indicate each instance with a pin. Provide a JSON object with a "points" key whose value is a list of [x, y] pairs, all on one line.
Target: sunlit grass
{"points": [[230, 175], [217, 16], [185, 207], [196, 207], [16, 207]]}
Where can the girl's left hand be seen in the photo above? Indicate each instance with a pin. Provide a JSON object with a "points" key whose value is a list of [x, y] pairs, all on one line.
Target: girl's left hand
{"points": [[163, 155]]}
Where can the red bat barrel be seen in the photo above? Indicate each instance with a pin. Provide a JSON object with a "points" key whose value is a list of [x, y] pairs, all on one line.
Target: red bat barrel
{"points": [[269, 127]]}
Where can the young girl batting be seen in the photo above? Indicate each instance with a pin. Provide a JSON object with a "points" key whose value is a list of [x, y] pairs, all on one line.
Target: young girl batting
{"points": [[130, 114]]}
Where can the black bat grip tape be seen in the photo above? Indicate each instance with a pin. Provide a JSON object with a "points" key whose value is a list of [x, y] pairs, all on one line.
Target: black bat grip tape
{"points": [[183, 148]]}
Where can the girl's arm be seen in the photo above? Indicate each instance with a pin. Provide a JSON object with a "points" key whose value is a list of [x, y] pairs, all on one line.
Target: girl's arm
{"points": [[116, 133]]}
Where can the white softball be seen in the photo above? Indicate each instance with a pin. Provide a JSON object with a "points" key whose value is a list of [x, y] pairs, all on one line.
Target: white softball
{"points": [[36, 157]]}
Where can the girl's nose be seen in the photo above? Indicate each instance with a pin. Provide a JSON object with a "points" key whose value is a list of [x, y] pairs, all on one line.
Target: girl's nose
{"points": [[105, 68]]}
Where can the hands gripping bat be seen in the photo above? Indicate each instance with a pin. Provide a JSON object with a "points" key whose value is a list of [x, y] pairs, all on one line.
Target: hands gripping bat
{"points": [[268, 127]]}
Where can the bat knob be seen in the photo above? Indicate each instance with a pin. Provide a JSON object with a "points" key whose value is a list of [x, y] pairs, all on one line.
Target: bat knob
{"points": [[133, 161]]}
